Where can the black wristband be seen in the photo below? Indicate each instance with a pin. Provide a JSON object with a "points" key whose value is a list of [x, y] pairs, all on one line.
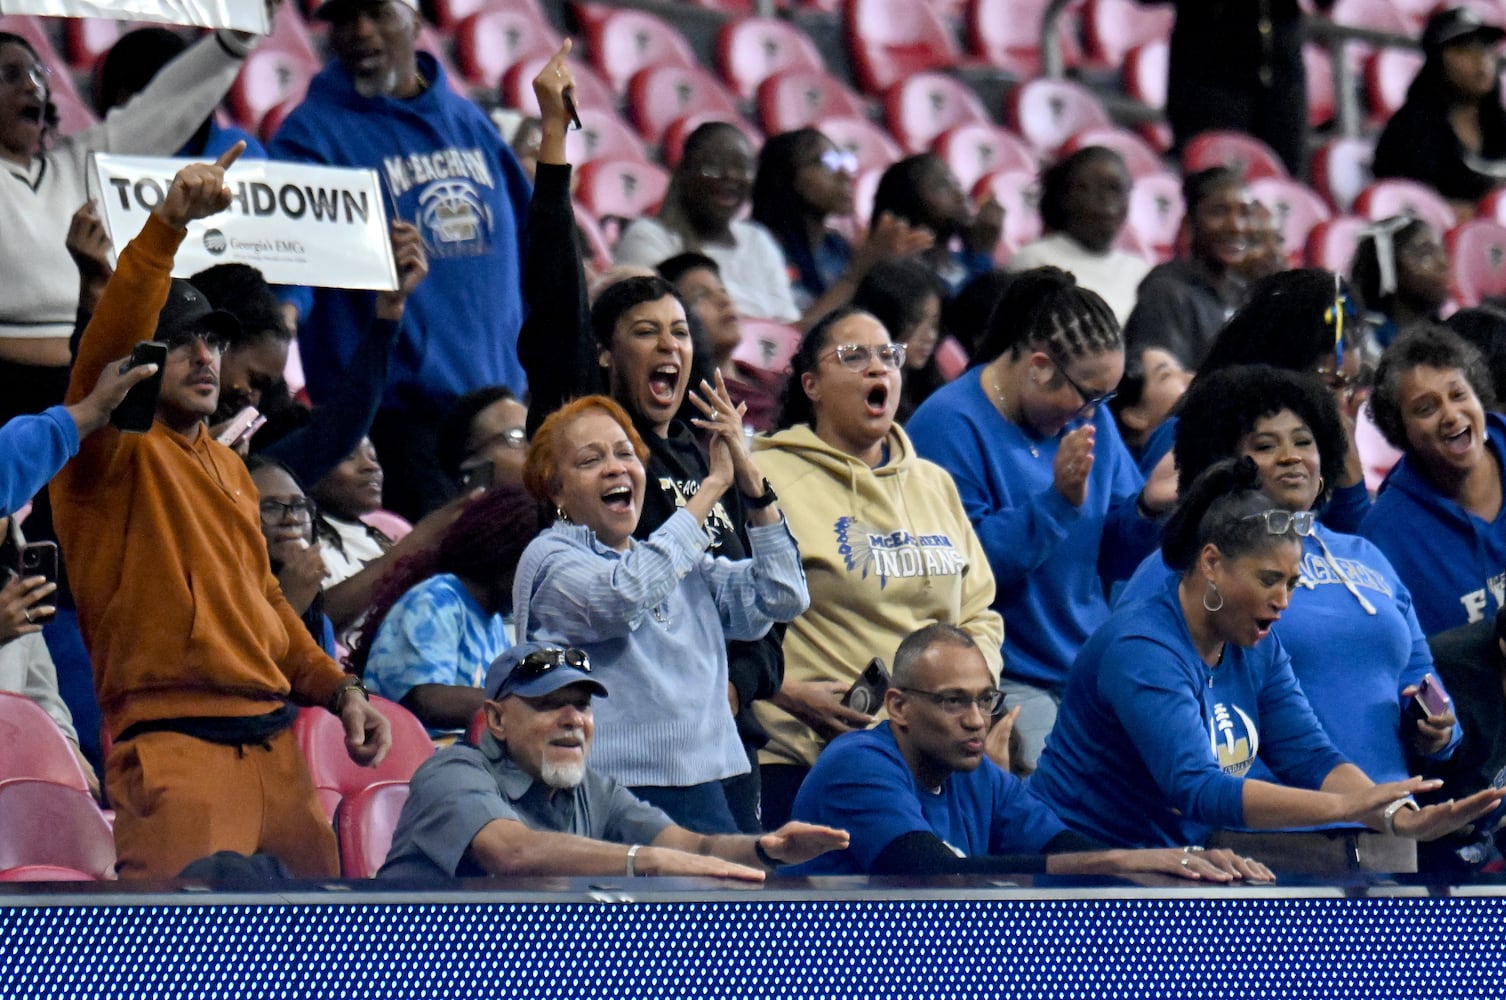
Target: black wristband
{"points": [[764, 856], [760, 502]]}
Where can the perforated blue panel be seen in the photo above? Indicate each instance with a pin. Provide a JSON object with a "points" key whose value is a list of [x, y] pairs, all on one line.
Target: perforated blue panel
{"points": [[1061, 948]]}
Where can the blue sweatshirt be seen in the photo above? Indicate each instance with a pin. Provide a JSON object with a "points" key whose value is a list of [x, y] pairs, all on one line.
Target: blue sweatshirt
{"points": [[1049, 558], [1453, 562], [444, 167], [1152, 746], [1352, 665], [32, 450]]}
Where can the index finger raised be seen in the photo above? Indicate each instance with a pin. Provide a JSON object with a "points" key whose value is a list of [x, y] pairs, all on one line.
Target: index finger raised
{"points": [[230, 155]]}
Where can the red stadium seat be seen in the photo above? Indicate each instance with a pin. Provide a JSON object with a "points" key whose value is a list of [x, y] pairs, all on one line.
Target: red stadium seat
{"points": [[1006, 34], [921, 107], [1341, 170], [672, 144], [491, 40], [976, 149], [625, 41], [1493, 206], [752, 49], [591, 91], [1155, 211], [1112, 27], [660, 95], [796, 98], [615, 191], [449, 13], [32, 745], [1139, 159], [394, 526], [44, 823], [870, 144], [1146, 68], [1377, 15], [438, 46], [891, 39], [1388, 75], [268, 77], [766, 345], [598, 246], [364, 825], [1321, 103], [1394, 196], [290, 33], [1297, 209], [603, 136], [44, 873], [1020, 195], [951, 358], [86, 39], [321, 740], [1220, 148], [1049, 112], [1477, 261], [1331, 244]]}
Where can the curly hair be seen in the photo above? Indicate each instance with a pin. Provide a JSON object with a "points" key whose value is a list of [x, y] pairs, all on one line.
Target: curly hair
{"points": [[1221, 409], [1288, 321], [1216, 509], [1047, 306], [1425, 345], [243, 292]]}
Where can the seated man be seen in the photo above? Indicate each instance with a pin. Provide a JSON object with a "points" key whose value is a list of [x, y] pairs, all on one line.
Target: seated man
{"points": [[920, 797], [523, 802]]}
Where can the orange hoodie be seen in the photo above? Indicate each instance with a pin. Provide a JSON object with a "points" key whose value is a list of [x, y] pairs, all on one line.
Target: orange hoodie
{"points": [[176, 598]]}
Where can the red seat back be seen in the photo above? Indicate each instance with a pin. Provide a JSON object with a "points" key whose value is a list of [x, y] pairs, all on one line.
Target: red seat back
{"points": [[1477, 261], [659, 95], [1221, 148], [975, 149], [870, 144], [321, 740], [625, 41], [268, 77], [1007, 34], [1019, 193], [1331, 244], [491, 40], [1139, 159], [1341, 170], [891, 39], [1049, 112], [1146, 68], [1155, 211], [1394, 196], [1388, 74], [921, 107], [591, 91], [766, 345], [620, 190], [1112, 27], [364, 825], [796, 98], [32, 745], [603, 136], [752, 49], [1321, 102], [44, 823]]}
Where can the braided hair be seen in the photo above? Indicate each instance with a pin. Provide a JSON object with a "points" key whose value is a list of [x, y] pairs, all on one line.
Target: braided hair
{"points": [[1046, 308]]}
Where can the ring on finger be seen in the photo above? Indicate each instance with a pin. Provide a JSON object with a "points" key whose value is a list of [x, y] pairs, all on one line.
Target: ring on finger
{"points": [[1186, 861], [1192, 849], [27, 613]]}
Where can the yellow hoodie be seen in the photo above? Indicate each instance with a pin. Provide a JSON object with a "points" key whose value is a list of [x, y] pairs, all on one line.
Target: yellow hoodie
{"points": [[886, 551]]}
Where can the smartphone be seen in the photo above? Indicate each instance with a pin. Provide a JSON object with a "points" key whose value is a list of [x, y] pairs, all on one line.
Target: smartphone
{"points": [[477, 476], [39, 559], [241, 427], [1430, 698], [867, 694], [139, 408], [569, 96]]}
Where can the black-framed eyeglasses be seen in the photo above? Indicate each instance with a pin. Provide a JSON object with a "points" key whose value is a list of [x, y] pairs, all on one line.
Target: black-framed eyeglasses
{"points": [[300, 509], [1089, 401], [1280, 522], [855, 357], [539, 662], [15, 73], [958, 702]]}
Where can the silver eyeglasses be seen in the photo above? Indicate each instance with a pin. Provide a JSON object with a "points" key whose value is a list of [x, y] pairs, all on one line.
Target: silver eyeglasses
{"points": [[856, 356], [1279, 522]]}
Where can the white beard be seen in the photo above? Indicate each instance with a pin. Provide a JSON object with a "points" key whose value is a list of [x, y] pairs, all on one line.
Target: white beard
{"points": [[562, 775]]}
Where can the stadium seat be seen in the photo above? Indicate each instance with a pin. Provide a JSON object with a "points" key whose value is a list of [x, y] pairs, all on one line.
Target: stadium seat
{"points": [[951, 358], [1146, 68], [1139, 159], [1049, 112], [870, 144], [617, 191], [321, 740], [438, 46], [625, 41], [603, 135], [489, 41], [364, 825], [1111, 28], [591, 91], [976, 149], [1006, 34], [1388, 74], [45, 823], [795, 98], [659, 95], [1341, 170], [1394, 196], [919, 108], [32, 745], [672, 143], [752, 49], [766, 345], [290, 33], [1331, 244], [1377, 15], [1296, 208], [732, 8], [394, 526], [449, 13], [891, 39], [1321, 103], [598, 248], [86, 39], [1232, 149], [1477, 261], [1020, 195], [1155, 212], [1493, 206], [44, 873], [268, 77]]}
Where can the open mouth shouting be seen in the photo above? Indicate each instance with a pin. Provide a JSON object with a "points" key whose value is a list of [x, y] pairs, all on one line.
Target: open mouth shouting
{"points": [[664, 386], [1458, 443], [1263, 627], [877, 400], [618, 499]]}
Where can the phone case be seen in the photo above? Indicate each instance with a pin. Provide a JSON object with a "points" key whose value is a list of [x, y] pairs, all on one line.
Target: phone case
{"points": [[139, 408]]}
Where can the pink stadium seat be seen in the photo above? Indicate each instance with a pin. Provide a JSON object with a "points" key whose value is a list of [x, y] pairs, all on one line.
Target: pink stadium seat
{"points": [[795, 98], [1388, 74], [891, 39], [268, 77], [752, 49], [449, 13], [1139, 159], [1049, 112], [1377, 15], [1006, 34], [919, 108], [951, 358], [44, 873], [615, 191], [1477, 261], [732, 8], [1232, 149], [1155, 211], [1331, 244], [1112, 27], [1297, 209], [1493, 206], [394, 526], [766, 345], [364, 825], [290, 33], [437, 45], [1145, 72], [672, 144], [45, 823], [1321, 103], [321, 740], [1020, 195], [32, 745], [492, 39], [1341, 170], [976, 149], [659, 95], [625, 41], [870, 144], [591, 91], [1394, 196], [86, 39], [597, 244], [603, 135]]}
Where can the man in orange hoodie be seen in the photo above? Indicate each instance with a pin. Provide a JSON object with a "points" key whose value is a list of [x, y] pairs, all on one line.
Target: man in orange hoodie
{"points": [[199, 662]]}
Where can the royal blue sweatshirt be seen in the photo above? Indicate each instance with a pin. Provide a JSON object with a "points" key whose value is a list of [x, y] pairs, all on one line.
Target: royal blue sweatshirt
{"points": [[32, 450]]}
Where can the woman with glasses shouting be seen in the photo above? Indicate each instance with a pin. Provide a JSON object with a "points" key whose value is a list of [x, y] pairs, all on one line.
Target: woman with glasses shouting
{"points": [[1351, 631], [1177, 698], [886, 546], [1054, 494]]}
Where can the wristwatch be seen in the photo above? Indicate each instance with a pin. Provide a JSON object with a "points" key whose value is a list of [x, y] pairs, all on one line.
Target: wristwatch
{"points": [[351, 683], [760, 502]]}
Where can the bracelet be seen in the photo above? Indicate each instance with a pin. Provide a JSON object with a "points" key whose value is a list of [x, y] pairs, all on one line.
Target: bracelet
{"points": [[632, 861], [352, 683], [767, 498], [764, 856], [1389, 815]]}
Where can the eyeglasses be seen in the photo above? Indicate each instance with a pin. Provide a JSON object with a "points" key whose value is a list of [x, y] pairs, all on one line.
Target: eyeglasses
{"points": [[1280, 522], [213, 342], [958, 702], [300, 509], [512, 437], [720, 172], [16, 73], [839, 161], [539, 662], [1089, 401], [855, 357]]}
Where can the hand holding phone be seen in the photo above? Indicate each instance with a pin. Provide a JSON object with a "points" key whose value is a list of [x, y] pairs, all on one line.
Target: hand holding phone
{"points": [[239, 428], [139, 408], [867, 694]]}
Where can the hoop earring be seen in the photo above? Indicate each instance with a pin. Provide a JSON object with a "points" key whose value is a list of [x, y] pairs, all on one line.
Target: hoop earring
{"points": [[1321, 483], [1214, 591]]}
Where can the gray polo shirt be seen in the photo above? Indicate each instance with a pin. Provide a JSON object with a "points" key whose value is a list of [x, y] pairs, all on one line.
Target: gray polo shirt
{"points": [[462, 788]]}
